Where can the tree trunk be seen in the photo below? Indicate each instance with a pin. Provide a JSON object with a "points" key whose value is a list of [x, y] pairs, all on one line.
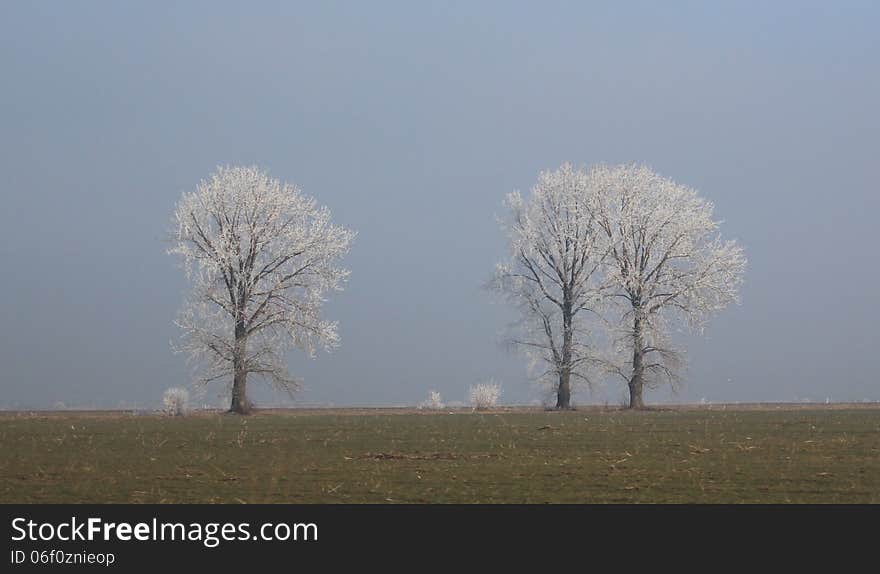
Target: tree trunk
{"points": [[637, 382], [635, 393], [240, 403], [563, 391]]}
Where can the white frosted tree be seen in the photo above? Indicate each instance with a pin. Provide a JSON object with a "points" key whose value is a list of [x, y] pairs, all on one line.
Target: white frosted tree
{"points": [[556, 254], [176, 401], [667, 264], [260, 256]]}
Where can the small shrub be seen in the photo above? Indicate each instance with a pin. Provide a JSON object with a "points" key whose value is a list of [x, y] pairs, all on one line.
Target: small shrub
{"points": [[176, 401], [484, 395], [434, 402]]}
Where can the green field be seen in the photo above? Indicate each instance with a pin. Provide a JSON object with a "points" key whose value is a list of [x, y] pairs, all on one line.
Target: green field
{"points": [[761, 455]]}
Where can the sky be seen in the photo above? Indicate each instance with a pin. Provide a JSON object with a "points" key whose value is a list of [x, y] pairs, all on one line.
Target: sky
{"points": [[411, 121]]}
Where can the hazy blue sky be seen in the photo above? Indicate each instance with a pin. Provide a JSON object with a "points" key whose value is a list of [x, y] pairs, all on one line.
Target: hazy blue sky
{"points": [[411, 120]]}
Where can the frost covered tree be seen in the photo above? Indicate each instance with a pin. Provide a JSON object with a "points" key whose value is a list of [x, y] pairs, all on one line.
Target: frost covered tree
{"points": [[176, 401], [556, 252], [260, 256], [484, 395], [667, 264]]}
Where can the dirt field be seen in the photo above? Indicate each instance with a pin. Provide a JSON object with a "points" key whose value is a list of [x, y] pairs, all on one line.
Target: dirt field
{"points": [[698, 454]]}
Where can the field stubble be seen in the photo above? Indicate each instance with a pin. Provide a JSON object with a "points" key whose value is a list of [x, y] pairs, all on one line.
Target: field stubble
{"points": [[682, 455]]}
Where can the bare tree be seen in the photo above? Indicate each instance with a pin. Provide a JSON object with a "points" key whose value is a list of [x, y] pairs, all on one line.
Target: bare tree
{"points": [[556, 253], [260, 256], [667, 263]]}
